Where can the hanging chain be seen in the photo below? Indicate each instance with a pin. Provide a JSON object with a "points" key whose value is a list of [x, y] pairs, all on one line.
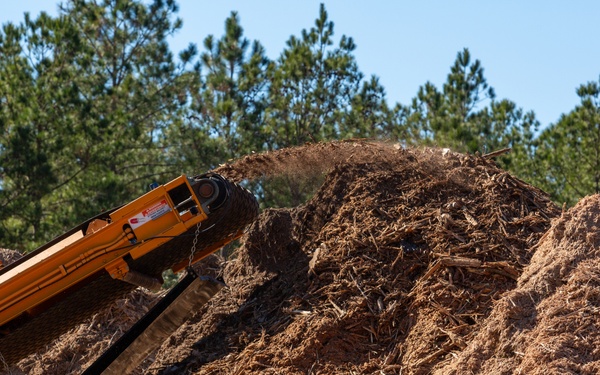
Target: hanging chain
{"points": [[194, 244]]}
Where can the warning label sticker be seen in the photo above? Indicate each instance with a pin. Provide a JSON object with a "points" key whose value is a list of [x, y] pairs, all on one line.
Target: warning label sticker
{"points": [[151, 213]]}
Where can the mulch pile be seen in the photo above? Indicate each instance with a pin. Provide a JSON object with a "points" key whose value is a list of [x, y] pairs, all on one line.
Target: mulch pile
{"points": [[77, 349], [405, 261], [550, 323], [392, 266]]}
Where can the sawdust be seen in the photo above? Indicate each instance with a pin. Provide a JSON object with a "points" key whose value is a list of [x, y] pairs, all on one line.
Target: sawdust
{"points": [[305, 161], [405, 261], [550, 323]]}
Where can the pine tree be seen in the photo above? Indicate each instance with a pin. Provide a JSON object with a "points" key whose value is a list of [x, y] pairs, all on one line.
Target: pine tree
{"points": [[98, 89], [466, 116], [313, 85], [225, 119], [568, 152]]}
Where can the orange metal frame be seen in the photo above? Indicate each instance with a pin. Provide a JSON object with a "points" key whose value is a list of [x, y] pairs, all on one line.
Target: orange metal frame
{"points": [[79, 255]]}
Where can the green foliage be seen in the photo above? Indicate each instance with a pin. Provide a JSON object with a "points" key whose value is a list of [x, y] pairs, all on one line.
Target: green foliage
{"points": [[30, 84], [227, 100], [312, 87], [568, 152], [315, 94], [86, 98], [370, 117], [454, 117], [94, 106], [466, 117], [509, 127], [242, 102]]}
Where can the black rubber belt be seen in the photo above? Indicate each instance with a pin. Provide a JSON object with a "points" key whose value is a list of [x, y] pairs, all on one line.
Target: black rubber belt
{"points": [[156, 325]]}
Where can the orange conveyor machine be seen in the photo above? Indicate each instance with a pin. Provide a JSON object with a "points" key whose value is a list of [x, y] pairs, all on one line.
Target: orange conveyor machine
{"points": [[57, 286]]}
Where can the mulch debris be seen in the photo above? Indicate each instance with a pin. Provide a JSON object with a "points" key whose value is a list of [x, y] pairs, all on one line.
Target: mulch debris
{"points": [[409, 261], [392, 266]]}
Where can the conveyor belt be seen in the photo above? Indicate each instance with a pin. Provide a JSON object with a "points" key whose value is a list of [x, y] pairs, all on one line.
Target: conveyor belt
{"points": [[101, 290], [146, 335]]}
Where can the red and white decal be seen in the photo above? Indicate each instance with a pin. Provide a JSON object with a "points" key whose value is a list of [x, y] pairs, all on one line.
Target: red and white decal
{"points": [[151, 213]]}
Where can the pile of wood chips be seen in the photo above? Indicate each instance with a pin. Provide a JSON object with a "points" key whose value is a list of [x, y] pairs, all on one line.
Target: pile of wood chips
{"points": [[409, 261], [392, 266], [75, 350], [550, 323]]}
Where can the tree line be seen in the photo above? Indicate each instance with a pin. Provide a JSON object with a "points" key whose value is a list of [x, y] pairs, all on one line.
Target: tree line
{"points": [[94, 105]]}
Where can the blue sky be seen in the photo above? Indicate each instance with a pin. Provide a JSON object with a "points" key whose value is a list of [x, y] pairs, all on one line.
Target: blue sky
{"points": [[535, 53]]}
